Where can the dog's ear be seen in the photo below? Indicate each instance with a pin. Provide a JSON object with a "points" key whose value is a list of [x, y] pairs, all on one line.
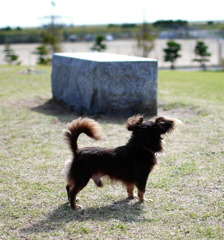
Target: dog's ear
{"points": [[165, 125], [134, 122]]}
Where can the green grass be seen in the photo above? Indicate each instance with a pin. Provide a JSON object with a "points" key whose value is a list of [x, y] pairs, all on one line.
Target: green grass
{"points": [[187, 188], [195, 88]]}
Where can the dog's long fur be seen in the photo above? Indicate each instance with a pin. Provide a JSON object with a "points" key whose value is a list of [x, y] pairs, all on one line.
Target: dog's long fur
{"points": [[131, 163]]}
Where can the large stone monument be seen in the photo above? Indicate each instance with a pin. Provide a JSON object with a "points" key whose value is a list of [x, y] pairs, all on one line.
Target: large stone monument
{"points": [[102, 83]]}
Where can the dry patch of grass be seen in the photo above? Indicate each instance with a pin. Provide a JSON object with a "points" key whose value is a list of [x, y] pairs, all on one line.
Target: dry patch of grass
{"points": [[186, 188]]}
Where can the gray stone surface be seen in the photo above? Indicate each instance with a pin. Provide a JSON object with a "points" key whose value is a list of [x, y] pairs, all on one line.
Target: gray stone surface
{"points": [[102, 83]]}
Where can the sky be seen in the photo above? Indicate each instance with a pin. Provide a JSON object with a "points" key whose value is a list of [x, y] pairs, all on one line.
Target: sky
{"points": [[32, 13]]}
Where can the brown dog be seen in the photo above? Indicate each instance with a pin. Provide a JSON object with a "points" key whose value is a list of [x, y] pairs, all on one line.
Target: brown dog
{"points": [[131, 163]]}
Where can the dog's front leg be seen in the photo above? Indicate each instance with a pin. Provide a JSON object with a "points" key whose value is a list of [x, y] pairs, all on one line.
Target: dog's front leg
{"points": [[141, 195], [130, 191], [141, 183], [141, 190]]}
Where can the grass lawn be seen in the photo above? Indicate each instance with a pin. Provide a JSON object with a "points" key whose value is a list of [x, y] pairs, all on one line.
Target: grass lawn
{"points": [[187, 187]]}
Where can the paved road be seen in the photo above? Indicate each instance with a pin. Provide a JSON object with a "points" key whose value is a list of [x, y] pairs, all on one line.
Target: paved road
{"points": [[128, 47]]}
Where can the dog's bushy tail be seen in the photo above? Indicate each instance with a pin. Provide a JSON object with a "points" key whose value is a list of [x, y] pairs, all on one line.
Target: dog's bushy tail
{"points": [[82, 125]]}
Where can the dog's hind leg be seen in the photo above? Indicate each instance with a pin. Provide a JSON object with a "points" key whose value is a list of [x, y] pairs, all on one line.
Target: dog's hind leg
{"points": [[130, 191], [68, 193], [73, 194], [75, 190]]}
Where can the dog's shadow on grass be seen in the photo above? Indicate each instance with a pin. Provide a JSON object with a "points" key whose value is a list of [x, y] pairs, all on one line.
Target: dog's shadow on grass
{"points": [[120, 210]]}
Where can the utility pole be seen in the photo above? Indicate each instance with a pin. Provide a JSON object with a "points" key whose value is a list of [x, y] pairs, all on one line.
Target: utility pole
{"points": [[53, 36], [219, 40]]}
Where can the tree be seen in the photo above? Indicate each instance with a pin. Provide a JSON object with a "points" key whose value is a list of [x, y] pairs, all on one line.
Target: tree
{"points": [[10, 56], [200, 51], [170, 24], [145, 40], [42, 53], [171, 53], [99, 46]]}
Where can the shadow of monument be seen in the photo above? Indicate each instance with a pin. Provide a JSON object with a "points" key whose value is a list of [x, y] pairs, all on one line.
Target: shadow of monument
{"points": [[64, 113], [56, 108], [120, 210]]}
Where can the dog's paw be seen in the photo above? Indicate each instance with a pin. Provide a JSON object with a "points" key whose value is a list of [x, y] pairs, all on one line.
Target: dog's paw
{"points": [[77, 200], [76, 207], [146, 200], [79, 207], [131, 197]]}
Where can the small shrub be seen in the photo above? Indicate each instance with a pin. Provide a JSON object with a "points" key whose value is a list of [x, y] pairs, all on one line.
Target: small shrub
{"points": [[10, 56], [201, 53], [171, 53], [42, 53], [99, 46]]}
